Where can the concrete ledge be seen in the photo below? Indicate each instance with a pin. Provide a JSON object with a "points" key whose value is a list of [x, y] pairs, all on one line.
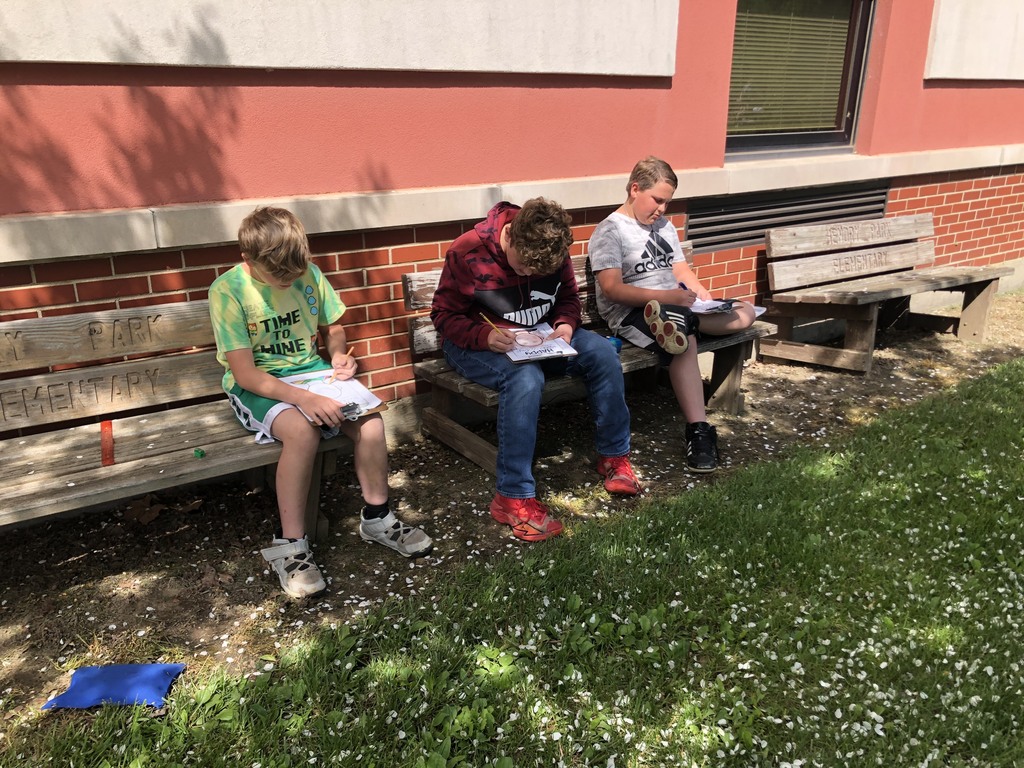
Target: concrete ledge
{"points": [[44, 238], [58, 236], [189, 225]]}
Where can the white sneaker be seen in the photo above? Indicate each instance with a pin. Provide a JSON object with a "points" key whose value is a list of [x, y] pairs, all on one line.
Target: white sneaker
{"points": [[295, 568], [393, 533]]}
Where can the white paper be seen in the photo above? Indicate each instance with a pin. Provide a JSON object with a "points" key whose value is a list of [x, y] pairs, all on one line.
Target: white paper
{"points": [[349, 392], [549, 348]]}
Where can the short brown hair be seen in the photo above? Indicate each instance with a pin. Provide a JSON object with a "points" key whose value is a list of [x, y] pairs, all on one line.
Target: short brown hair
{"points": [[650, 171], [541, 233], [276, 241]]}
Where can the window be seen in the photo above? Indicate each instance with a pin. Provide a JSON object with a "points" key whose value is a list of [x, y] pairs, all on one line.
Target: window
{"points": [[796, 69]]}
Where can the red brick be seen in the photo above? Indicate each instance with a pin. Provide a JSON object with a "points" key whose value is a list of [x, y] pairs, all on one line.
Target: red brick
{"points": [[424, 252], [710, 271], [11, 277], [722, 281], [70, 270], [366, 295], [375, 258], [583, 232], [739, 265], [150, 301], [405, 390], [131, 263], [353, 316], [385, 275], [214, 255], [367, 330], [199, 295], [8, 316], [701, 260], [378, 362], [353, 278], [385, 238], [33, 297], [385, 310], [112, 289], [336, 243], [181, 280], [78, 309], [387, 343], [326, 263], [441, 233], [389, 376]]}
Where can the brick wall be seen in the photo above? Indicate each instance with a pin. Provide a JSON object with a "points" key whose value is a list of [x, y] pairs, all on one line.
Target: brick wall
{"points": [[977, 217], [977, 222]]}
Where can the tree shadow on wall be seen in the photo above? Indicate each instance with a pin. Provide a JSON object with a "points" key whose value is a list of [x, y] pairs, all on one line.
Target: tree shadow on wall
{"points": [[160, 137]]}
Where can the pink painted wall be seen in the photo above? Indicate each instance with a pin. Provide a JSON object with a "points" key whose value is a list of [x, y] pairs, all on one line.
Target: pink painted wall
{"points": [[96, 137], [903, 112], [93, 137]]}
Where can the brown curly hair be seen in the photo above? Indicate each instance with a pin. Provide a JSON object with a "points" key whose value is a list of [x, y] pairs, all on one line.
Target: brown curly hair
{"points": [[541, 233]]}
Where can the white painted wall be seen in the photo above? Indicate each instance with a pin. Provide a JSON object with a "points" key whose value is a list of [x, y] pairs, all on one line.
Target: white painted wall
{"points": [[977, 40], [608, 37]]}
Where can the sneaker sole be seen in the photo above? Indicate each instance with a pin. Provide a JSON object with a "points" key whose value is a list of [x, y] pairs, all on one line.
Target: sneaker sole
{"points": [[418, 553], [301, 595], [669, 338], [702, 470]]}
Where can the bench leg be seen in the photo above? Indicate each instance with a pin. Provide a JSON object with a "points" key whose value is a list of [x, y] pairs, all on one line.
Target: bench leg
{"points": [[974, 314], [460, 439], [860, 337], [723, 391]]}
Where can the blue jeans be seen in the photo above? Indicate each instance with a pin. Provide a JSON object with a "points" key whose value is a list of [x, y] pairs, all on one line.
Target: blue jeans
{"points": [[519, 387]]}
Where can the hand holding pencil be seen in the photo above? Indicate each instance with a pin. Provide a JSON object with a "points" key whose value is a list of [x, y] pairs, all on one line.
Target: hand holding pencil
{"points": [[347, 369], [499, 339]]}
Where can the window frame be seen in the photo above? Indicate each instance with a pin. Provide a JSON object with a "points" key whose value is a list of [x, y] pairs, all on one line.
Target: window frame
{"points": [[861, 14]]}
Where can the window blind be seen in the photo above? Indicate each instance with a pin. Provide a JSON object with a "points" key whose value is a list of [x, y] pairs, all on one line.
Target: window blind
{"points": [[788, 68]]}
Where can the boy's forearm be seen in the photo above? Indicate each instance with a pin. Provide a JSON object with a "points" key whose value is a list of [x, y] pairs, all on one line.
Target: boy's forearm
{"points": [[335, 340]]}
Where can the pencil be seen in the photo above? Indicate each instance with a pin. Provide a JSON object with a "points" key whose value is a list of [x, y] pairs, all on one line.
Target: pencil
{"points": [[487, 320], [334, 374]]}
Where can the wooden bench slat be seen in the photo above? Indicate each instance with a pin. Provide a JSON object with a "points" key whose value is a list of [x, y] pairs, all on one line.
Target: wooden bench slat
{"points": [[100, 390], [781, 242], [848, 264], [883, 287], [40, 342], [153, 452]]}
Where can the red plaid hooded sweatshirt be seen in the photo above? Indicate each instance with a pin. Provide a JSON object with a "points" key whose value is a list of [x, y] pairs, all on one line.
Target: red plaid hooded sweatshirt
{"points": [[477, 279]]}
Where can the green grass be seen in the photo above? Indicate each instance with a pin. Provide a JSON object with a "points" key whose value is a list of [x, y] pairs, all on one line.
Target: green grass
{"points": [[859, 606]]}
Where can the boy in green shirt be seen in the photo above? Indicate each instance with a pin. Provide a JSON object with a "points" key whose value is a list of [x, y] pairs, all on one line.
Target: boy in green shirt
{"points": [[266, 314]]}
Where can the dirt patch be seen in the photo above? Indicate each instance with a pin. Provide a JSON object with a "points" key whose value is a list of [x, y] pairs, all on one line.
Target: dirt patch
{"points": [[178, 576]]}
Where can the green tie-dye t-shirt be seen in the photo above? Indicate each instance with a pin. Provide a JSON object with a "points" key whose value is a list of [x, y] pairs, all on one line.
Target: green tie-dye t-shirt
{"points": [[279, 325]]}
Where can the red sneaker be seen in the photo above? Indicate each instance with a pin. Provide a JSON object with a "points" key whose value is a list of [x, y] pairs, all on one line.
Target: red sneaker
{"points": [[530, 520], [618, 475]]}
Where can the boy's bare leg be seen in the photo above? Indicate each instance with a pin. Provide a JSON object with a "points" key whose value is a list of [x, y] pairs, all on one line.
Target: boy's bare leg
{"points": [[299, 441], [720, 324], [684, 373], [370, 456]]}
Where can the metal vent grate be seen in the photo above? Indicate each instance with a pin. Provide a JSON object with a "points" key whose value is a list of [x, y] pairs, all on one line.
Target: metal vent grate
{"points": [[715, 224]]}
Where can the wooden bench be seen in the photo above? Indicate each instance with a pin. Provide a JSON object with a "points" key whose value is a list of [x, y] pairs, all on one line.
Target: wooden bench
{"points": [[864, 272], [144, 413], [456, 401]]}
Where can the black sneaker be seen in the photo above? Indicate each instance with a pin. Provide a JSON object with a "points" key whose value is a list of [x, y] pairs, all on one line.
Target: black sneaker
{"points": [[701, 447]]}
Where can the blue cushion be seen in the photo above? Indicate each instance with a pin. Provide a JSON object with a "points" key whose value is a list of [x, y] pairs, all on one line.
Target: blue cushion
{"points": [[118, 684]]}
